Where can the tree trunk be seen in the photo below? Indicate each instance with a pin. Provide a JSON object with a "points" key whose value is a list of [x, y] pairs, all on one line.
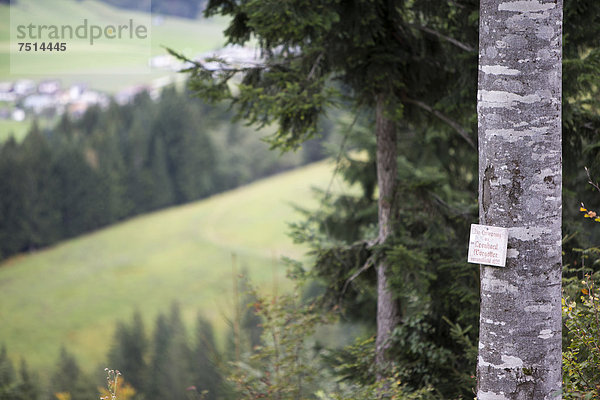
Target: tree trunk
{"points": [[387, 310], [520, 170]]}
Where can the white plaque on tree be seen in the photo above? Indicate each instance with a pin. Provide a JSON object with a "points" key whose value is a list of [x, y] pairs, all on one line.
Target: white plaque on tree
{"points": [[487, 245]]}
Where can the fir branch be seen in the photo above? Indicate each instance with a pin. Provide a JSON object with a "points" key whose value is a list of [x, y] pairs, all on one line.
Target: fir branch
{"points": [[370, 262], [455, 125], [314, 67], [225, 66], [448, 39]]}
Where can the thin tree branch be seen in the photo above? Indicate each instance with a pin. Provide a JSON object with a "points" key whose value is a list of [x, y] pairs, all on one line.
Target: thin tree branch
{"points": [[455, 125], [225, 66], [453, 209], [314, 67], [368, 264], [457, 4], [449, 39], [590, 181]]}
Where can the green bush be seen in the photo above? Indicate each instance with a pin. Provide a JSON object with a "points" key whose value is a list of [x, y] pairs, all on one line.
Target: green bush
{"points": [[289, 363], [581, 317], [581, 358]]}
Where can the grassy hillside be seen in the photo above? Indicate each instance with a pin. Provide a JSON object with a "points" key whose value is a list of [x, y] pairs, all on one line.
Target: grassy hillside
{"points": [[112, 70], [73, 293], [10, 128]]}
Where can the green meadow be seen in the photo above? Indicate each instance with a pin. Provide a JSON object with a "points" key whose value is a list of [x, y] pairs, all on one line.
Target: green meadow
{"points": [[72, 294], [111, 69], [108, 65], [16, 129]]}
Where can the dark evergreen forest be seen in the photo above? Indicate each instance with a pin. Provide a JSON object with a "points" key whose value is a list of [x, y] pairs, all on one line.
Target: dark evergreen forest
{"points": [[168, 360], [160, 363], [115, 163]]}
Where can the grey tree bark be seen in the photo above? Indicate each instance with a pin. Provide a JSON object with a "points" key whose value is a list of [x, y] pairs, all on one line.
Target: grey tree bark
{"points": [[387, 166], [520, 169]]}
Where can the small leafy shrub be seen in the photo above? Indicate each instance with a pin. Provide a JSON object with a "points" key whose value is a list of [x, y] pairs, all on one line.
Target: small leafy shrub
{"points": [[289, 363], [581, 317], [389, 389], [581, 359], [284, 365]]}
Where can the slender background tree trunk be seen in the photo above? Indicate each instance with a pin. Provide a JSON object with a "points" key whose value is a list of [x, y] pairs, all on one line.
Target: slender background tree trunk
{"points": [[387, 310], [520, 169]]}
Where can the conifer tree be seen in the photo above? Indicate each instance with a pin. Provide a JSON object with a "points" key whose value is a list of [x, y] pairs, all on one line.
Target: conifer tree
{"points": [[169, 375], [7, 376], [82, 198], [65, 127], [189, 151], [67, 372], [205, 361], [28, 388], [159, 178], [129, 350], [42, 194], [398, 59], [14, 222]]}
